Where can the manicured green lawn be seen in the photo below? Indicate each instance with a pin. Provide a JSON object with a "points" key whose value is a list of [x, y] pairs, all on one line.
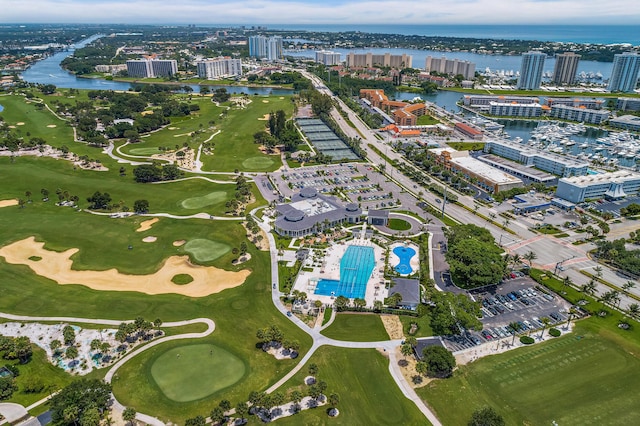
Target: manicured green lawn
{"points": [[357, 327], [40, 368], [206, 250], [466, 146], [399, 224], [368, 393], [426, 120], [424, 325], [591, 376], [191, 372]]}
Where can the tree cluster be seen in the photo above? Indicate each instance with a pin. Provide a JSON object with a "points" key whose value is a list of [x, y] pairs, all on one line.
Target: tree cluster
{"points": [[99, 201], [19, 348], [272, 336], [146, 173], [84, 402], [139, 329], [454, 313], [616, 253], [474, 258]]}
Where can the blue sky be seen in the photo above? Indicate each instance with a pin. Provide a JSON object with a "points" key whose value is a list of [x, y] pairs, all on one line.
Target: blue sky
{"points": [[270, 12]]}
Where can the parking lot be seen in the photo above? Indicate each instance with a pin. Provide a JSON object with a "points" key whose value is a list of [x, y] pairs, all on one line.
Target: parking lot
{"points": [[516, 300], [360, 183]]}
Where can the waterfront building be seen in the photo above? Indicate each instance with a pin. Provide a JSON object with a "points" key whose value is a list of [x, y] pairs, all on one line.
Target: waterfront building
{"points": [[627, 122], [471, 132], [451, 67], [580, 114], [402, 113], [531, 70], [327, 57], [576, 102], [527, 174], [113, 69], [366, 60], [310, 212], [258, 47], [150, 68], [612, 185], [220, 67], [488, 177], [628, 104], [482, 102], [510, 109], [542, 160], [566, 68], [624, 74]]}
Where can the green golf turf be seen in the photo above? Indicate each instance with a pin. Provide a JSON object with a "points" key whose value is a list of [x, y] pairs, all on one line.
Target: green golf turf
{"points": [[144, 151], [257, 163], [192, 372], [590, 377], [206, 200], [206, 250]]}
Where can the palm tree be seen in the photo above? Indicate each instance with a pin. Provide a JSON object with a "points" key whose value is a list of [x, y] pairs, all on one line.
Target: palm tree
{"points": [[530, 256], [572, 313], [598, 271], [634, 310], [545, 322], [628, 286], [406, 350], [566, 281], [515, 327], [515, 259]]}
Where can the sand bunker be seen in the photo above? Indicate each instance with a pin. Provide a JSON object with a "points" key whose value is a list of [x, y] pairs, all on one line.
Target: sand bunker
{"points": [[173, 128], [20, 124], [147, 224], [150, 239], [179, 243], [8, 203], [12, 127], [265, 101], [57, 267], [264, 117], [51, 126]]}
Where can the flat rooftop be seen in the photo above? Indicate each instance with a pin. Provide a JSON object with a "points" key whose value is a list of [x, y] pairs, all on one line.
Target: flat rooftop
{"points": [[313, 207], [587, 180], [484, 170], [520, 168]]}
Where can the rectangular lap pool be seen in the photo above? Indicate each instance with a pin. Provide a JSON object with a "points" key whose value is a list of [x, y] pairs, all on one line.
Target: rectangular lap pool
{"points": [[356, 267]]}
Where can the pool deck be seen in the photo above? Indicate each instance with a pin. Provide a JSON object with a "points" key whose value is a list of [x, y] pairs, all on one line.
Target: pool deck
{"points": [[331, 270], [394, 260]]}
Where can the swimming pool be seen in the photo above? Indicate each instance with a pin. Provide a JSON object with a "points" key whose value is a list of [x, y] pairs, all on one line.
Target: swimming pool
{"points": [[405, 254], [356, 267]]}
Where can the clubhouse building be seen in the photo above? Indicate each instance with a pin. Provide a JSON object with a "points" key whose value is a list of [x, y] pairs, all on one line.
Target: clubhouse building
{"points": [[310, 212]]}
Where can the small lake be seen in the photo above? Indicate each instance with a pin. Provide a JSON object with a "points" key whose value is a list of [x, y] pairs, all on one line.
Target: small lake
{"points": [[1, 108]]}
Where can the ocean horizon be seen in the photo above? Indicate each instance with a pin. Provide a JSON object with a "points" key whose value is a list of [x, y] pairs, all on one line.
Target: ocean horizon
{"points": [[583, 34]]}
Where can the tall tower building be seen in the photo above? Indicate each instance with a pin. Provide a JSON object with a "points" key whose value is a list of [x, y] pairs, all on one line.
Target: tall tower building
{"points": [[624, 75], [258, 46], [531, 70], [566, 67], [274, 48]]}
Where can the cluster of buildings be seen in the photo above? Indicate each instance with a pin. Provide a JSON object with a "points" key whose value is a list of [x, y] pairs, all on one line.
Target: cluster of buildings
{"points": [[612, 185], [393, 112], [269, 48], [624, 74], [152, 67]]}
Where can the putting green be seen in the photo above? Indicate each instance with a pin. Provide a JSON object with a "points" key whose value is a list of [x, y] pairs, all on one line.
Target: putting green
{"points": [[206, 200], [144, 151], [206, 250], [257, 163], [192, 372]]}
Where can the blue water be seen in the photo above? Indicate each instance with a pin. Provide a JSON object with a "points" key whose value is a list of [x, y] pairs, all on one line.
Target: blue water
{"points": [[405, 254], [1, 108], [356, 267], [602, 34]]}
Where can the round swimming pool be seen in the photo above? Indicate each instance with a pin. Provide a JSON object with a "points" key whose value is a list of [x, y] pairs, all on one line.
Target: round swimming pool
{"points": [[404, 254]]}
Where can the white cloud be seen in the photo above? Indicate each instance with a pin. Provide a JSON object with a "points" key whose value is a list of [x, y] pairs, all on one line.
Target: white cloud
{"points": [[324, 12]]}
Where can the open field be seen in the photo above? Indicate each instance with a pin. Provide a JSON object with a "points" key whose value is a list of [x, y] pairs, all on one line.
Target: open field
{"points": [[399, 224], [368, 394], [589, 377], [357, 327], [192, 372], [424, 325]]}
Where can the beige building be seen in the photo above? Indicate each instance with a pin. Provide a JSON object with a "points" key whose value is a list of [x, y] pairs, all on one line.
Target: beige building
{"points": [[365, 60]]}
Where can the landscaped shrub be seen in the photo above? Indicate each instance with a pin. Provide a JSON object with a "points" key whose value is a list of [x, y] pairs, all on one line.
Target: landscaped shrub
{"points": [[526, 340], [554, 332]]}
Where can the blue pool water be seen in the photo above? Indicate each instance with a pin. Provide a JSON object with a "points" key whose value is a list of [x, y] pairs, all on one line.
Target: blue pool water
{"points": [[405, 254], [356, 267]]}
